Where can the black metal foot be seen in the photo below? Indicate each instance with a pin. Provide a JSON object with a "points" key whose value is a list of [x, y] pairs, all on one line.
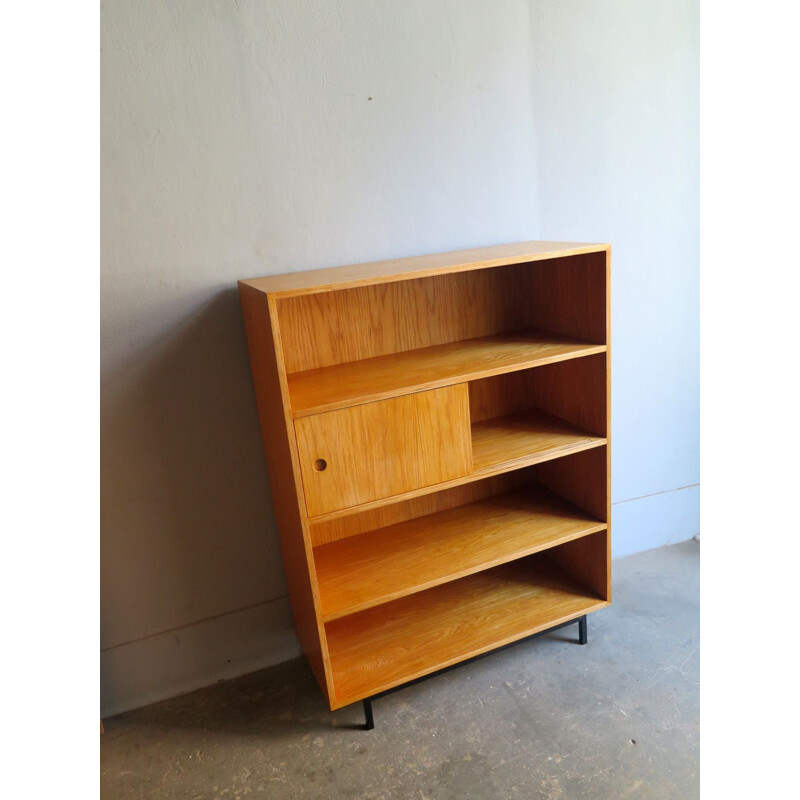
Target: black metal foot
{"points": [[369, 722], [583, 630], [583, 638]]}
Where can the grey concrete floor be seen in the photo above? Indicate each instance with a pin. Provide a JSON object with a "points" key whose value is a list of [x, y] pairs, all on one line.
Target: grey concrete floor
{"points": [[618, 718]]}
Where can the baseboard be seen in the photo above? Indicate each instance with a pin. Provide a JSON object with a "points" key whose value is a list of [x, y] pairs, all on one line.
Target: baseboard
{"points": [[169, 664], [654, 521]]}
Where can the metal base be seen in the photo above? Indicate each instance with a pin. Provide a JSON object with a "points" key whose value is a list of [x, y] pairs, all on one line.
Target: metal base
{"points": [[583, 638], [369, 722]]}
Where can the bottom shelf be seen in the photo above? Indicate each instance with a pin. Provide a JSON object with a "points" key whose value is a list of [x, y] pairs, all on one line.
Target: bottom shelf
{"points": [[390, 644]]}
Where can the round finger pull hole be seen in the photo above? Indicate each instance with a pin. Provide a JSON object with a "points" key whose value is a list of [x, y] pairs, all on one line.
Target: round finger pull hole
{"points": [[320, 464]]}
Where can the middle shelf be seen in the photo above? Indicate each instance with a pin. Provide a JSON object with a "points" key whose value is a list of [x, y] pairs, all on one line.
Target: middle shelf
{"points": [[371, 568], [525, 437]]}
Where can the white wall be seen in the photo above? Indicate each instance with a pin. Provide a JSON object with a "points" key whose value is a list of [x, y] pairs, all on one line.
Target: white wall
{"points": [[239, 139], [616, 105]]}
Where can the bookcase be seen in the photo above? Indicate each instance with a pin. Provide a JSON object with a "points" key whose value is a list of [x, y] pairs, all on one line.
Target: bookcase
{"points": [[437, 436]]}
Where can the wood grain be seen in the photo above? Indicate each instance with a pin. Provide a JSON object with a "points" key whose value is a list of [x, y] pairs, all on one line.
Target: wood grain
{"points": [[567, 296], [429, 265], [402, 640], [431, 394], [333, 328], [582, 479], [564, 440], [608, 420], [387, 376], [574, 391], [525, 438], [381, 449], [382, 565], [585, 559], [332, 530], [284, 478]]}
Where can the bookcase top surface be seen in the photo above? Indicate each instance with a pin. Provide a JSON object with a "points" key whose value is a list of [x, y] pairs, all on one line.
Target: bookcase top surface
{"points": [[333, 278]]}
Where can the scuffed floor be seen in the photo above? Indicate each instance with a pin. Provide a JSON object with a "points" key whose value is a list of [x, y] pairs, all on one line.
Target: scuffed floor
{"points": [[618, 718]]}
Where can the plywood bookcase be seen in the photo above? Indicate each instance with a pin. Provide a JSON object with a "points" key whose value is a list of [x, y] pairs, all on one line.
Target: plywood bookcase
{"points": [[437, 437]]}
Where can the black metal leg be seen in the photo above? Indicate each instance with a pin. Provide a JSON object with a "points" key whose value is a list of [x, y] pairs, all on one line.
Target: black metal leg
{"points": [[369, 722], [583, 630], [583, 638]]}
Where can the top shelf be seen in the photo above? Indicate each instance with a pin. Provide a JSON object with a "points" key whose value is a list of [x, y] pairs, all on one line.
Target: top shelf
{"points": [[371, 379]]}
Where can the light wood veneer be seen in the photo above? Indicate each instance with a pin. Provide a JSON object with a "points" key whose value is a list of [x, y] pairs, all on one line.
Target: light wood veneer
{"points": [[418, 634], [367, 570], [381, 449], [437, 436], [377, 378], [526, 438]]}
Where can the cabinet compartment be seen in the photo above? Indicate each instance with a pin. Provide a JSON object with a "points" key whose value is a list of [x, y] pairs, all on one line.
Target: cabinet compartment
{"points": [[538, 414], [376, 450], [376, 556], [378, 566], [390, 644], [572, 391], [372, 342]]}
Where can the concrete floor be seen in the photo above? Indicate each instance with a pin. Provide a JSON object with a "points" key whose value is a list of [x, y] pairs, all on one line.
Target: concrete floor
{"points": [[618, 718]]}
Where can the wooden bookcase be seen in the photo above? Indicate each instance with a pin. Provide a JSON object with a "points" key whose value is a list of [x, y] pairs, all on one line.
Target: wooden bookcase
{"points": [[437, 436]]}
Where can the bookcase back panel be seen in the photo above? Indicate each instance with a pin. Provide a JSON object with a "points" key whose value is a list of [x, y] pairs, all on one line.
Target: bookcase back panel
{"points": [[375, 450], [329, 328]]}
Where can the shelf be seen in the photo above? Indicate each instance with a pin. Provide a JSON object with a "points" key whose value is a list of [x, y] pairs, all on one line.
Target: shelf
{"points": [[525, 438], [423, 632], [371, 379], [381, 565]]}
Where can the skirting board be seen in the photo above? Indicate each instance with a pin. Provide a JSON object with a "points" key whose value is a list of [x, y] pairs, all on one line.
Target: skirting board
{"points": [[654, 521], [169, 664]]}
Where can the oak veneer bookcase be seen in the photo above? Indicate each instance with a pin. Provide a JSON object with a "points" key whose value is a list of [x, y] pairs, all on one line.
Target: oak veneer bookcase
{"points": [[437, 436]]}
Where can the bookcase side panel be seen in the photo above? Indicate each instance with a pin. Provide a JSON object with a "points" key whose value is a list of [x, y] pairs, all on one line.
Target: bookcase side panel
{"points": [[585, 560], [607, 258], [284, 480], [579, 478], [567, 296]]}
